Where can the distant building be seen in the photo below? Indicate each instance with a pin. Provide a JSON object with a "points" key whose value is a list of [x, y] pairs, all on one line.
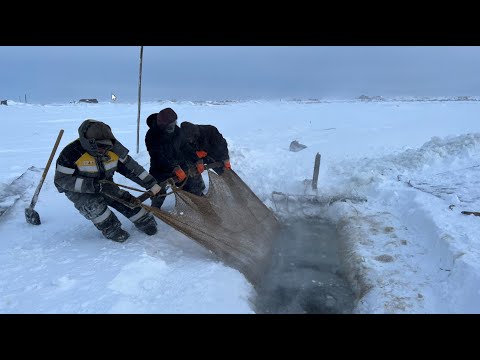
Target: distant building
{"points": [[90, 101]]}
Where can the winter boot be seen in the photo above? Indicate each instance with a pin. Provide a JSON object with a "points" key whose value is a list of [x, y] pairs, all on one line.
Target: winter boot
{"points": [[147, 224], [120, 235], [111, 228]]}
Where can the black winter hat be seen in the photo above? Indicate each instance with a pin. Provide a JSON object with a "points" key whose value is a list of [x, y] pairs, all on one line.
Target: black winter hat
{"points": [[191, 132], [151, 119], [165, 117]]}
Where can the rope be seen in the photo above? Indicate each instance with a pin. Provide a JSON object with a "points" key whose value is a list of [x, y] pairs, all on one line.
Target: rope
{"points": [[134, 189], [120, 185], [170, 181]]}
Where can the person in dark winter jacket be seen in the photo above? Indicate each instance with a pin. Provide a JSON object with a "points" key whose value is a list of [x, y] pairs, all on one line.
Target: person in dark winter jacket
{"points": [[93, 157], [164, 144], [206, 144], [176, 151]]}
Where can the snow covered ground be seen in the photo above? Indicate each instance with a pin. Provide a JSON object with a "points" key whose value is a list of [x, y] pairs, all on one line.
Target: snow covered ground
{"points": [[407, 248]]}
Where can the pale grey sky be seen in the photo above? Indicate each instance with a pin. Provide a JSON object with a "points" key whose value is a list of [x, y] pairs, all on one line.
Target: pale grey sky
{"points": [[65, 73]]}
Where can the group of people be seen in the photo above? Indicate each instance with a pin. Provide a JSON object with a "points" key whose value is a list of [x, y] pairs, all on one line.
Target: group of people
{"points": [[85, 168]]}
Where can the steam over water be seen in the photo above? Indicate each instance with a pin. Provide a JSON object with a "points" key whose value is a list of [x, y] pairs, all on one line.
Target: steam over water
{"points": [[305, 275]]}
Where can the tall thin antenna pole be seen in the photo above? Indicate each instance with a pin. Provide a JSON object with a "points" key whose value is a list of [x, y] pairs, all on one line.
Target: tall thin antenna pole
{"points": [[139, 99]]}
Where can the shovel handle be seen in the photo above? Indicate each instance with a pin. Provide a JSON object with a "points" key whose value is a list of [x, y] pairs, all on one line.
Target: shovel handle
{"points": [[45, 171]]}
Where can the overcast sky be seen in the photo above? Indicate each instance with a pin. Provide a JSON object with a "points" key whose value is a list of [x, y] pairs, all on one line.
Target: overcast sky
{"points": [[66, 73]]}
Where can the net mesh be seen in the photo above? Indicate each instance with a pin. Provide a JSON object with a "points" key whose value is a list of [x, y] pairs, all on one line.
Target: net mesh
{"points": [[230, 220]]}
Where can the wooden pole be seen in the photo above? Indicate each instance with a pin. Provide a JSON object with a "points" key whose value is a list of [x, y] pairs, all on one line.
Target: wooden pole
{"points": [[139, 99], [476, 213], [316, 170]]}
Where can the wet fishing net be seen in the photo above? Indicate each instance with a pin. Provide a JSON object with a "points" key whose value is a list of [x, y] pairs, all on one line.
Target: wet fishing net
{"points": [[230, 220]]}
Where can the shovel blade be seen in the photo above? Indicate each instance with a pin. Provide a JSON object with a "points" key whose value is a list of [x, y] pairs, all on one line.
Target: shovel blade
{"points": [[32, 216]]}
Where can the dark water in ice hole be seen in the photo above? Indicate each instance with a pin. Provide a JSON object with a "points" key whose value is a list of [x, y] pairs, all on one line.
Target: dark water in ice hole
{"points": [[305, 275]]}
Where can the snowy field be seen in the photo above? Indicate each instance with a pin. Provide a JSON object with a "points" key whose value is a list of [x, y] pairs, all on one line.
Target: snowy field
{"points": [[394, 178]]}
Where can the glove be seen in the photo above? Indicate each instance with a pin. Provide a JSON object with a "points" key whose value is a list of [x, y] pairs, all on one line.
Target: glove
{"points": [[179, 173], [201, 154], [200, 166], [102, 186], [226, 164], [155, 189]]}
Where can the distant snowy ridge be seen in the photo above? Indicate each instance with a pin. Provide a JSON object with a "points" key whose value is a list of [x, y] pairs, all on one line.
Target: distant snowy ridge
{"points": [[226, 102]]}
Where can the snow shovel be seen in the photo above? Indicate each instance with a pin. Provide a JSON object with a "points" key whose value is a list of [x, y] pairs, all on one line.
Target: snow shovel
{"points": [[31, 215]]}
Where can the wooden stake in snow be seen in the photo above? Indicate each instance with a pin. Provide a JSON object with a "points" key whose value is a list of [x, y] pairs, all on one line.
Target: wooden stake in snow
{"points": [[316, 170], [139, 99]]}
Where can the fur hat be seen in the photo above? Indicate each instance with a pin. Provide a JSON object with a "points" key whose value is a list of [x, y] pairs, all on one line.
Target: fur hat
{"points": [[165, 117], [100, 132]]}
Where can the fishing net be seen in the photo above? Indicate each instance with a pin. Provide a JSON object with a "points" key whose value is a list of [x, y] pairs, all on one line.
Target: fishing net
{"points": [[230, 220]]}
